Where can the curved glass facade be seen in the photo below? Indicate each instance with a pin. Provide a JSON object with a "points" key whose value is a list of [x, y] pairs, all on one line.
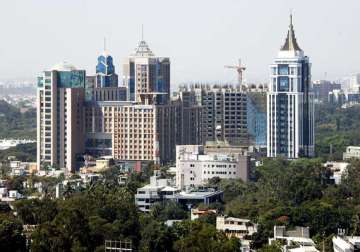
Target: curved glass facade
{"points": [[105, 72]]}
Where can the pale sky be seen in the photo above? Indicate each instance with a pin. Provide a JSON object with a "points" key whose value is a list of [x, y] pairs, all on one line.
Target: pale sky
{"points": [[199, 36]]}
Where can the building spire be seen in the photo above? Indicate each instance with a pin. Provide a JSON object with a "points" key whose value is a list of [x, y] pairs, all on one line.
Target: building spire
{"points": [[290, 42], [104, 44]]}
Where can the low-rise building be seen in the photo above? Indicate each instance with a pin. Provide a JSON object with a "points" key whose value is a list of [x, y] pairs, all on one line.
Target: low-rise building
{"points": [[352, 152], [346, 243], [194, 166], [19, 168], [295, 240], [236, 227], [239, 228], [160, 190], [196, 196], [338, 170], [14, 194]]}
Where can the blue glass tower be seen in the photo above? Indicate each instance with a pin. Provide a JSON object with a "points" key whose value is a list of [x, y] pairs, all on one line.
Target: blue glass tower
{"points": [[105, 71]]}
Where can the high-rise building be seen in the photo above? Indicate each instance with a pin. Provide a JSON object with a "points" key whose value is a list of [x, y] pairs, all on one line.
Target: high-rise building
{"points": [[322, 88], [60, 117], [224, 116], [105, 71], [145, 73], [256, 116], [290, 106], [140, 131]]}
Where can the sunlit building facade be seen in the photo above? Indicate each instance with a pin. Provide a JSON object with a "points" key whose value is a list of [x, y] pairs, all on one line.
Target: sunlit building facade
{"points": [[143, 72], [290, 106], [60, 117]]}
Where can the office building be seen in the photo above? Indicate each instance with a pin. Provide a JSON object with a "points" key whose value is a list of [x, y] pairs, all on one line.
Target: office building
{"points": [[290, 106], [354, 84], [143, 72], [104, 85], [60, 117], [140, 131], [224, 112], [337, 96], [322, 88], [194, 167], [105, 71]]}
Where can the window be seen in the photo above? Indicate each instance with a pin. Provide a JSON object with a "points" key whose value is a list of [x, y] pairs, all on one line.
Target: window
{"points": [[283, 70], [283, 84]]}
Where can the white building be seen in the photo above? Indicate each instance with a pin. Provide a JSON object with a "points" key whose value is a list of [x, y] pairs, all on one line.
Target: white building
{"points": [[156, 191], [346, 243], [338, 170], [351, 152], [354, 85], [3, 192], [194, 167], [14, 194], [290, 106], [160, 190], [296, 240]]}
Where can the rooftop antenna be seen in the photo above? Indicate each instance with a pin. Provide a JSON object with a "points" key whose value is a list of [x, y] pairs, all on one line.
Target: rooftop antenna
{"points": [[104, 44]]}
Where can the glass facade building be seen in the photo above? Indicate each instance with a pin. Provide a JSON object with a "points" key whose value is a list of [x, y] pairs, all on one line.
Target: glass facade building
{"points": [[105, 72], [256, 118], [144, 74], [290, 103]]}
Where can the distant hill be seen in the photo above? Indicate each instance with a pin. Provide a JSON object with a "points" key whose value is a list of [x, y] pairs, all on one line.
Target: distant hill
{"points": [[14, 124], [27, 90]]}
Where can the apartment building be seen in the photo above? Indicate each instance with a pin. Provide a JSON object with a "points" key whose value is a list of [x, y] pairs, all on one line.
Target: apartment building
{"points": [[60, 117], [224, 115]]}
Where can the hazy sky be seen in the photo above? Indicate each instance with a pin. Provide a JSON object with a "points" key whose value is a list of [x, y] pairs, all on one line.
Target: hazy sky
{"points": [[200, 36]]}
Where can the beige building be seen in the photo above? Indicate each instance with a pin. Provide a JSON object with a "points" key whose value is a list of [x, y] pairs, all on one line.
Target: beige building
{"points": [[235, 227], [224, 112], [144, 131], [60, 117]]}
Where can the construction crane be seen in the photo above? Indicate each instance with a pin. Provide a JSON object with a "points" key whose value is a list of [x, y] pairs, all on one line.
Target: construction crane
{"points": [[239, 68]]}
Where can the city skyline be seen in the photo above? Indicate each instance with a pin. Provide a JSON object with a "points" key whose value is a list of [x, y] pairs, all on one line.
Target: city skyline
{"points": [[209, 31]]}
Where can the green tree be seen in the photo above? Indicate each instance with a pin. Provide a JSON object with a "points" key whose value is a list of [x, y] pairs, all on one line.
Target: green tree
{"points": [[11, 238]]}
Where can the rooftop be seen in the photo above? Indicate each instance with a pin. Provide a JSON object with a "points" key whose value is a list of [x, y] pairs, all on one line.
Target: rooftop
{"points": [[63, 66], [143, 50]]}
